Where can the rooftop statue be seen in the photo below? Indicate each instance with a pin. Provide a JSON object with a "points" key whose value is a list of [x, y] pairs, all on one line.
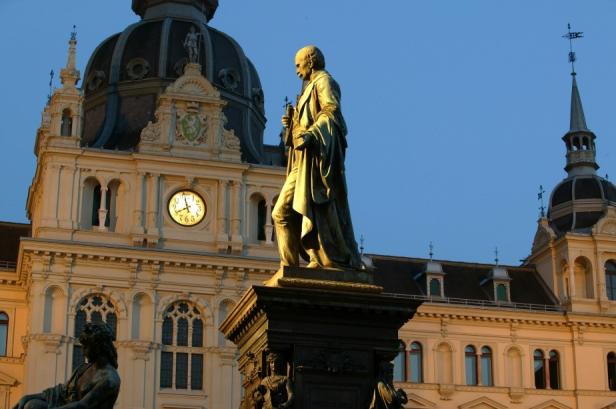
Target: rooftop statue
{"points": [[191, 44], [93, 385], [312, 216]]}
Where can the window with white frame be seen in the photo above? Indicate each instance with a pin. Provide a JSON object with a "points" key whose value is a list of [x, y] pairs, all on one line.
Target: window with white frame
{"points": [[182, 352]]}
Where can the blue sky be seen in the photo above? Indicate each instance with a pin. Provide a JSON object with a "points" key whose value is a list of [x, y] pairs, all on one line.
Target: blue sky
{"points": [[455, 108]]}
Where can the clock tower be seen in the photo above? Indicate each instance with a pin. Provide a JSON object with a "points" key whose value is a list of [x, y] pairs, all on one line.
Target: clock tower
{"points": [[151, 209]]}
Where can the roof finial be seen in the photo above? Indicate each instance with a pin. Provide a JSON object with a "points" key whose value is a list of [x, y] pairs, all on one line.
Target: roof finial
{"points": [[51, 74], [69, 74], [431, 253], [540, 198], [572, 35], [496, 255], [74, 33], [361, 242]]}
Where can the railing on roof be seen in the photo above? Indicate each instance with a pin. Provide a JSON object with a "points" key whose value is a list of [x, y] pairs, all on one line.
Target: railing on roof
{"points": [[483, 303], [7, 265]]}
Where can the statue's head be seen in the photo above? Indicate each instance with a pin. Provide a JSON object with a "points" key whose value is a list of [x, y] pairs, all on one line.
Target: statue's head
{"points": [[308, 60], [97, 342], [275, 363]]}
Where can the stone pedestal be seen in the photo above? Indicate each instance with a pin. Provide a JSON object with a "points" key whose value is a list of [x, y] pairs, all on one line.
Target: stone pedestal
{"points": [[332, 328]]}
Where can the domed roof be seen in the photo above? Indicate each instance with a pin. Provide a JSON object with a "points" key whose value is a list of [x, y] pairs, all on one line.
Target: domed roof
{"points": [[578, 202], [128, 71]]}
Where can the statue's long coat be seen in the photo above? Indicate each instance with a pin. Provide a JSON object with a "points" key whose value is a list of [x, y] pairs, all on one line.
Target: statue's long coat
{"points": [[320, 190]]}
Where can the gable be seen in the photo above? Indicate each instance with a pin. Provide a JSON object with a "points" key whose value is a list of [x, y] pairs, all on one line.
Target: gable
{"points": [[7, 380], [417, 402], [482, 403], [551, 404]]}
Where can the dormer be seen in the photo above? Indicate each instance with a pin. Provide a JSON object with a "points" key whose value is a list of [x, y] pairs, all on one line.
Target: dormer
{"points": [[498, 282], [432, 278]]}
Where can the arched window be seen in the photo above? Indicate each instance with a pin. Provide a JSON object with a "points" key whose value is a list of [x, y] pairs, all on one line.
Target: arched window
{"points": [[4, 332], [539, 368], [554, 369], [486, 367], [66, 127], [582, 272], [470, 365], [501, 292], [181, 356], [400, 363], [610, 279], [435, 287], [416, 363], [611, 371], [93, 308], [261, 214]]}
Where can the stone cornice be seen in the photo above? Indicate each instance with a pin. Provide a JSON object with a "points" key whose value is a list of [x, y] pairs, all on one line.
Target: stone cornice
{"points": [[540, 318], [146, 257]]}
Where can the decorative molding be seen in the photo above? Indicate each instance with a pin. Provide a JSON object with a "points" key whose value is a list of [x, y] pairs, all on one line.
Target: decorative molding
{"points": [[551, 404], [483, 403]]}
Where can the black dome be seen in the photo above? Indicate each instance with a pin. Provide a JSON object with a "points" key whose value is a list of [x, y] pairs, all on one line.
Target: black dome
{"points": [[129, 70], [578, 202]]}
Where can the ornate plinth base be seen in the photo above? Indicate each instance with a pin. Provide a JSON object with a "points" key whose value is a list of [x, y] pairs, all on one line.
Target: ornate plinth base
{"points": [[332, 336]]}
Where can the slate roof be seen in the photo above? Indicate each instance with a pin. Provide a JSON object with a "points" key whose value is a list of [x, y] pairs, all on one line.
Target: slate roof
{"points": [[402, 275], [9, 240]]}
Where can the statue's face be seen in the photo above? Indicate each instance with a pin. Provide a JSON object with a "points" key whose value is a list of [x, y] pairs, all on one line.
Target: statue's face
{"points": [[303, 66]]}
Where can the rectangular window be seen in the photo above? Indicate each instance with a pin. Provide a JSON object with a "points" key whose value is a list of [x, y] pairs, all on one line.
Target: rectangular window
{"points": [[486, 370], [611, 286], [196, 372], [471, 369], [166, 369], [181, 370], [416, 367]]}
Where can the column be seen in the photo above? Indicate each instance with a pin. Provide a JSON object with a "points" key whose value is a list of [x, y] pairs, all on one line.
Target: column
{"points": [[138, 211], [236, 237], [222, 236], [268, 223], [152, 222], [102, 210]]}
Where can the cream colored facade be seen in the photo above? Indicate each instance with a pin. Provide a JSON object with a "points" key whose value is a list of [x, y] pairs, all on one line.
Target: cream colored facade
{"points": [[142, 262]]}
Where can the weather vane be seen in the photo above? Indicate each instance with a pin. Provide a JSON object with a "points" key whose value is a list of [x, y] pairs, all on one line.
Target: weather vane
{"points": [[540, 198], [431, 253], [361, 242], [74, 33], [496, 255], [572, 35]]}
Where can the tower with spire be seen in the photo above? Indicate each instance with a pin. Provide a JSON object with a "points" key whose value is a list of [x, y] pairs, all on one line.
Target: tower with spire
{"points": [[571, 242]]}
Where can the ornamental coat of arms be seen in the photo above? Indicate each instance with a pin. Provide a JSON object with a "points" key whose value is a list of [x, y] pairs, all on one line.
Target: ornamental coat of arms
{"points": [[191, 127]]}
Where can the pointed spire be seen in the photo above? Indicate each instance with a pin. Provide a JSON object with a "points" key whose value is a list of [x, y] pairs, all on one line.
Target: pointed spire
{"points": [[578, 120], [70, 74]]}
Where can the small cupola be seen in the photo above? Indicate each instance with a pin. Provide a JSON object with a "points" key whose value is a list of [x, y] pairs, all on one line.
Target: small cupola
{"points": [[432, 277], [498, 281]]}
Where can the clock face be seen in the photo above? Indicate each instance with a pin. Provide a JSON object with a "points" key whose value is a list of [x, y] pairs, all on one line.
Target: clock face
{"points": [[186, 208]]}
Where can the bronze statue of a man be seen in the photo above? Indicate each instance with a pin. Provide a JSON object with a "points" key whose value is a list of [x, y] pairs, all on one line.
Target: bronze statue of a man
{"points": [[312, 216], [93, 385]]}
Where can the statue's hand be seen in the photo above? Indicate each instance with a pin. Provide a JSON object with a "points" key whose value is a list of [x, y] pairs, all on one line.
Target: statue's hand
{"points": [[286, 121], [303, 141]]}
